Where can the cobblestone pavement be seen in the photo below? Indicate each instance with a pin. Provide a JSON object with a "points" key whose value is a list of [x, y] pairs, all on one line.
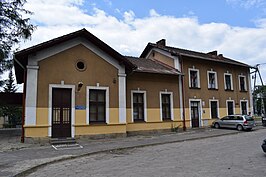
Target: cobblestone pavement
{"points": [[232, 155], [19, 159]]}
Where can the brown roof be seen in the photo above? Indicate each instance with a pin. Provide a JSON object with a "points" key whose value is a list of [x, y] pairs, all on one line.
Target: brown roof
{"points": [[152, 66], [22, 56], [11, 98], [193, 54]]}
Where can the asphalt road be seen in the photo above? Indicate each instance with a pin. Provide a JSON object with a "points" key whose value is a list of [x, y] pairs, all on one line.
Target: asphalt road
{"points": [[231, 155]]}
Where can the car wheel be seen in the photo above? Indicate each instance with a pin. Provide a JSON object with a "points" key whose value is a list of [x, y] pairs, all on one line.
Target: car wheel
{"points": [[216, 125], [239, 127]]}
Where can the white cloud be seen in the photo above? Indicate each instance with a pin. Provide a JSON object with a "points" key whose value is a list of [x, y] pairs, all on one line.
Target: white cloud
{"points": [[247, 3], [130, 35]]}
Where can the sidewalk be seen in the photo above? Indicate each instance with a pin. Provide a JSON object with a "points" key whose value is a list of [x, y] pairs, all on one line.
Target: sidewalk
{"points": [[21, 159]]}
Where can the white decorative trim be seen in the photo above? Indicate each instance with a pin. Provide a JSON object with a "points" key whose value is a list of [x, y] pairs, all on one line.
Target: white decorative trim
{"points": [[107, 119], [233, 106], [218, 108], [231, 79], [72, 87], [145, 104], [31, 95], [200, 111], [246, 101], [245, 80], [171, 104], [198, 76], [181, 96], [122, 98], [251, 109], [45, 53], [215, 77]]}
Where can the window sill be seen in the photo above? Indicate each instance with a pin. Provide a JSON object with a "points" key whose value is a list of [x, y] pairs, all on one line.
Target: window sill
{"points": [[139, 121], [213, 89], [195, 88], [167, 120], [243, 90], [98, 123], [228, 90]]}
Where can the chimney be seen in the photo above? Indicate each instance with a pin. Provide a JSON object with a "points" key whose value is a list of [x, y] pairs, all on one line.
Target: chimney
{"points": [[161, 42], [220, 56], [213, 53]]}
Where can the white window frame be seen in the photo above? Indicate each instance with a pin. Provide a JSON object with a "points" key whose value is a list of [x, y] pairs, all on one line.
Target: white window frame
{"points": [[171, 105], [245, 80], [200, 111], [234, 111], [198, 77], [246, 101], [218, 108], [145, 104], [231, 79], [215, 77], [107, 113]]}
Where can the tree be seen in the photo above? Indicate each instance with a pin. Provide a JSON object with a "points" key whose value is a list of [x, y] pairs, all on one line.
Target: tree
{"points": [[13, 28], [10, 86]]}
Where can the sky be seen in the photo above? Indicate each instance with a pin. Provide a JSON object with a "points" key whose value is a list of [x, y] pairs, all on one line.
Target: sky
{"points": [[235, 28]]}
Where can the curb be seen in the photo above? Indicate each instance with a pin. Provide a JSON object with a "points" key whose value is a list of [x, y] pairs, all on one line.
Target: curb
{"points": [[35, 168]]}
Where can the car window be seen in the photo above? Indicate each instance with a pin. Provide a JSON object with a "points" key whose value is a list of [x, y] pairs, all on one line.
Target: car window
{"points": [[239, 117], [225, 118], [231, 117], [249, 118]]}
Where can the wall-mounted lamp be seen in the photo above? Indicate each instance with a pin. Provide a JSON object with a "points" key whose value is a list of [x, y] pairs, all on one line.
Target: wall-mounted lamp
{"points": [[80, 84]]}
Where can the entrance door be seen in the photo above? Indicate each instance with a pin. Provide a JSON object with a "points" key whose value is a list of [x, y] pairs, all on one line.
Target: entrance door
{"points": [[194, 106], [61, 113]]}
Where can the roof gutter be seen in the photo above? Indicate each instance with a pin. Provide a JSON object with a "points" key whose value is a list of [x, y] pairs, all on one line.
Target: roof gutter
{"points": [[22, 139]]}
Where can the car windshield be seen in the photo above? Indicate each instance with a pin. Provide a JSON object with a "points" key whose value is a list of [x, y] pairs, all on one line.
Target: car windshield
{"points": [[248, 118]]}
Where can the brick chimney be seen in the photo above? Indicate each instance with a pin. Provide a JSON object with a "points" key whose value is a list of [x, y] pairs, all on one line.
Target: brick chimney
{"points": [[161, 42], [213, 53]]}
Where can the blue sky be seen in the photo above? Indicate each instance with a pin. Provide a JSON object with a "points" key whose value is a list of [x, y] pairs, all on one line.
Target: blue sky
{"points": [[233, 12], [235, 28]]}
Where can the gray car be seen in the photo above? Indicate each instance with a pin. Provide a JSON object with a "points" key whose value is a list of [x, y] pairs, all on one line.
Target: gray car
{"points": [[240, 122]]}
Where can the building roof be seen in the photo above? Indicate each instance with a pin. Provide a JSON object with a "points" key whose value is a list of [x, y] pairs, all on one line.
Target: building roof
{"points": [[11, 98], [22, 56], [211, 56], [151, 66]]}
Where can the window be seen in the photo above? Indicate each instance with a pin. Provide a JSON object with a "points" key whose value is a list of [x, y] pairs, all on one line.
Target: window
{"points": [[244, 107], [230, 107], [228, 84], [212, 80], [214, 109], [194, 81], [97, 105], [81, 65], [166, 106], [138, 106], [242, 83]]}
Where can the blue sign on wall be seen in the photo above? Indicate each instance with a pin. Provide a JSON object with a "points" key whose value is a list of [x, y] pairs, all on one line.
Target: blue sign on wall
{"points": [[80, 107]]}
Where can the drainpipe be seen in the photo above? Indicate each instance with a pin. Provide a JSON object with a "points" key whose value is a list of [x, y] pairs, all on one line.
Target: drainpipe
{"points": [[183, 94], [22, 139]]}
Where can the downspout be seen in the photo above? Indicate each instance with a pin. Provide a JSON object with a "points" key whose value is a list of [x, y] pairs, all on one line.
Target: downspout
{"points": [[22, 139], [183, 94]]}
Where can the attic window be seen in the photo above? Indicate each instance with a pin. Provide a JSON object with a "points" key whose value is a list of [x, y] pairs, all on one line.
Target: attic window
{"points": [[80, 65]]}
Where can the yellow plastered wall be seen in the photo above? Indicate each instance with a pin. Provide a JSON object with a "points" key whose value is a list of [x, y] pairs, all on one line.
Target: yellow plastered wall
{"points": [[42, 116], [80, 117], [223, 112], [237, 111], [177, 114], [152, 126], [153, 115], [36, 131], [99, 129]]}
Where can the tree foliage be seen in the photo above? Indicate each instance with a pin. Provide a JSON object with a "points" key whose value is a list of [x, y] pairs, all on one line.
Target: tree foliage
{"points": [[13, 28], [10, 86]]}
